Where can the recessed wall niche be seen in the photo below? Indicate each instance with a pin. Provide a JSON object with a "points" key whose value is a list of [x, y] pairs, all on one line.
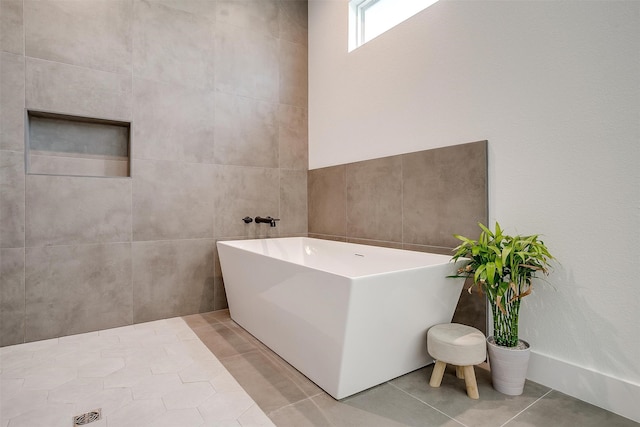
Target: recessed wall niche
{"points": [[61, 144]]}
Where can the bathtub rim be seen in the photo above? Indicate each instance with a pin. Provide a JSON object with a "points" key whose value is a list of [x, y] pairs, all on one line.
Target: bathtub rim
{"points": [[235, 243]]}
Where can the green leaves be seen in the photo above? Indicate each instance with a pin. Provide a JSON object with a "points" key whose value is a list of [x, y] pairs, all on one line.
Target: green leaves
{"points": [[502, 267]]}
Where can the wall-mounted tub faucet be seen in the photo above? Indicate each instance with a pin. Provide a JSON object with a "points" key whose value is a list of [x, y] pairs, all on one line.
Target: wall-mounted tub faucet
{"points": [[267, 220]]}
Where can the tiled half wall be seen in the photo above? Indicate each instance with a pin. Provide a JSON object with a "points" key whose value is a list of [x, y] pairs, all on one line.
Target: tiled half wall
{"points": [[414, 201]]}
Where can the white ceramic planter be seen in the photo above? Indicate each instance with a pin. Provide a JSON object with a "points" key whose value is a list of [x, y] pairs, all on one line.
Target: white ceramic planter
{"points": [[508, 367]]}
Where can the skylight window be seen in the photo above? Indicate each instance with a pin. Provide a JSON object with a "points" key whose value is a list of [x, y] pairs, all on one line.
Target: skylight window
{"points": [[370, 18]]}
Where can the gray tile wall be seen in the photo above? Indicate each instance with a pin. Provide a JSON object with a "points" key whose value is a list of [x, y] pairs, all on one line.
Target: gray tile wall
{"points": [[414, 201], [216, 93]]}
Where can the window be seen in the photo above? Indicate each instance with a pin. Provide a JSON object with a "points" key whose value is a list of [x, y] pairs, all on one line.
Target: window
{"points": [[370, 18]]}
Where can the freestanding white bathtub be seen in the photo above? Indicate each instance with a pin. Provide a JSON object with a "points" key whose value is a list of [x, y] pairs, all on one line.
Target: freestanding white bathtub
{"points": [[347, 316]]}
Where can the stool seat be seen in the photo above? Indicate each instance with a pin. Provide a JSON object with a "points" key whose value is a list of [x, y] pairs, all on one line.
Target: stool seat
{"points": [[459, 345]]}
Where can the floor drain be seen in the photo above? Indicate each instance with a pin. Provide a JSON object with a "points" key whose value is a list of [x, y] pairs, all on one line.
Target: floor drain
{"points": [[89, 417]]}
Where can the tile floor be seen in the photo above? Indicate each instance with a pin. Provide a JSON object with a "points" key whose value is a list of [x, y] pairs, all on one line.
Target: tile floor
{"points": [[163, 374], [151, 374], [291, 400]]}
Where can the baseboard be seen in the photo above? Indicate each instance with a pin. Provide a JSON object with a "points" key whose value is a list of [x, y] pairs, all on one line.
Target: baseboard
{"points": [[613, 394]]}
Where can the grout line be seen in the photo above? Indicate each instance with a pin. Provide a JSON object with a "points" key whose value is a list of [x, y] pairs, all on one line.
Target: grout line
{"points": [[24, 187], [131, 142], [346, 202], [402, 202], [525, 409], [422, 401], [320, 409], [310, 399]]}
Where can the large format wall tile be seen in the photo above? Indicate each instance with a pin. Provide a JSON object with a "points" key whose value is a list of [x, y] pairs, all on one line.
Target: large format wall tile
{"points": [[172, 46], [219, 294], [11, 102], [245, 191], [293, 20], [202, 8], [12, 308], [172, 278], [419, 199], [75, 166], [11, 199], [293, 137], [62, 88], [293, 202], [11, 29], [172, 122], [293, 74], [76, 289], [327, 190], [246, 63], [94, 34], [64, 210], [259, 16], [173, 200], [374, 199], [246, 132], [445, 192]]}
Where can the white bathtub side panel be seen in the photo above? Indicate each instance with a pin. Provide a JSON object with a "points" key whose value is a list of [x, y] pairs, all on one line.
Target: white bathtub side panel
{"points": [[297, 312], [387, 324]]}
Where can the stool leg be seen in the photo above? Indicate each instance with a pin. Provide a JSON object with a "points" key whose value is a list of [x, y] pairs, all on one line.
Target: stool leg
{"points": [[459, 372], [436, 375], [470, 382]]}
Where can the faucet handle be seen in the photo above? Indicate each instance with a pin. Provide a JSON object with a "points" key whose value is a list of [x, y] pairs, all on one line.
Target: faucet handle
{"points": [[247, 219]]}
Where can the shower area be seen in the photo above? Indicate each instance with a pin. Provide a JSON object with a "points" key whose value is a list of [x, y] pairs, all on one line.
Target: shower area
{"points": [[133, 135]]}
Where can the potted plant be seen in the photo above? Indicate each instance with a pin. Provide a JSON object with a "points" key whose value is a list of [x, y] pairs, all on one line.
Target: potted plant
{"points": [[502, 268]]}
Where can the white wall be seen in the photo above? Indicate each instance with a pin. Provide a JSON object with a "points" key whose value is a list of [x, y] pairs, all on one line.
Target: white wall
{"points": [[555, 89]]}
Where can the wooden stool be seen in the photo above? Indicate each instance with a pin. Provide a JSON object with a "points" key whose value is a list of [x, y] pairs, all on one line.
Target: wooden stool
{"points": [[459, 345]]}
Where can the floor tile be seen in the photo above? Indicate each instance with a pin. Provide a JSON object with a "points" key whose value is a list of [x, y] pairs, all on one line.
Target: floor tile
{"points": [[225, 382], [161, 373], [300, 414], [195, 321], [225, 407], [156, 386], [223, 342], [152, 374], [387, 402], [404, 401], [138, 413], [109, 400], [126, 377], [254, 417], [188, 395], [49, 376], [21, 401], [200, 372], [264, 380], [100, 368], [363, 414], [493, 408], [179, 417], [303, 383], [559, 410], [75, 390], [169, 364], [51, 415]]}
